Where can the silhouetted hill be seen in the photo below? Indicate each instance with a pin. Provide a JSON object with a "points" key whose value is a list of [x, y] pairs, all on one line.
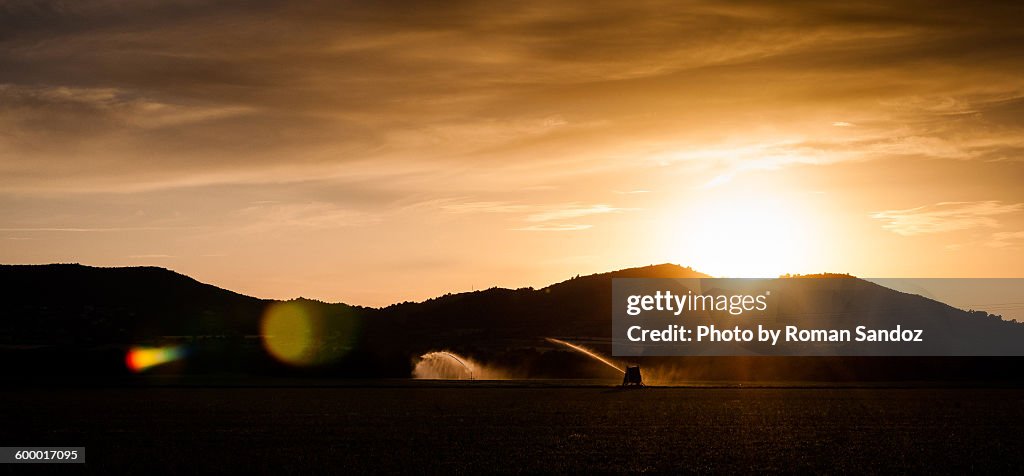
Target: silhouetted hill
{"points": [[70, 303], [579, 306], [91, 316]]}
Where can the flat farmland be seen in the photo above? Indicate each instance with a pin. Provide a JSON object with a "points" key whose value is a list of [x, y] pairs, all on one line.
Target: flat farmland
{"points": [[475, 427]]}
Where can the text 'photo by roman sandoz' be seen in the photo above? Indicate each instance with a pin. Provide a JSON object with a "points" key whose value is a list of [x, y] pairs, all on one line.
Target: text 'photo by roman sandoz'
{"points": [[511, 237]]}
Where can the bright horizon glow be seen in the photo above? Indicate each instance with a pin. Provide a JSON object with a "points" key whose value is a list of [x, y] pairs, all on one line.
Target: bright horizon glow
{"points": [[744, 236]]}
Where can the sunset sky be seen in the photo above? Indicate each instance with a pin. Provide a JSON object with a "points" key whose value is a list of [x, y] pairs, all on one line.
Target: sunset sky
{"points": [[374, 152]]}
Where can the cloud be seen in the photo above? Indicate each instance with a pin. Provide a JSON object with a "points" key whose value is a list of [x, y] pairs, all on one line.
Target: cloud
{"points": [[169, 94], [1006, 239], [539, 214], [723, 162], [356, 122], [299, 216], [485, 207], [59, 229], [1000, 240], [946, 216], [568, 211]]}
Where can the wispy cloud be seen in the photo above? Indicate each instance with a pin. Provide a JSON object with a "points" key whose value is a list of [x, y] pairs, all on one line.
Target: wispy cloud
{"points": [[485, 207], [541, 215], [727, 160], [119, 105], [58, 229], [162, 95], [308, 215], [573, 210], [945, 216], [1006, 239], [342, 114]]}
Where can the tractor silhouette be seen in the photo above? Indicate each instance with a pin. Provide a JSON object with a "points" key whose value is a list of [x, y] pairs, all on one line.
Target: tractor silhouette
{"points": [[632, 377]]}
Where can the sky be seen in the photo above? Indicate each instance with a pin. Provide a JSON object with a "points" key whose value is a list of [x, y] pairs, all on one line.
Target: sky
{"points": [[377, 152]]}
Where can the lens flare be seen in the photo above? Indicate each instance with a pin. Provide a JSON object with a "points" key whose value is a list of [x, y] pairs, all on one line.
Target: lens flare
{"points": [[140, 359], [298, 333]]}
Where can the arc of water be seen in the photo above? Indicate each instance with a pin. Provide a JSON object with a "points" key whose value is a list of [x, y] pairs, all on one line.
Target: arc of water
{"points": [[453, 357], [587, 352]]}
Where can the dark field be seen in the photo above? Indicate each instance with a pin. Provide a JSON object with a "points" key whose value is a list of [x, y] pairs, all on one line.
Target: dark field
{"points": [[474, 428]]}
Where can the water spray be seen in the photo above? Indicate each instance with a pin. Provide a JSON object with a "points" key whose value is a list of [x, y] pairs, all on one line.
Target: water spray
{"points": [[434, 364], [586, 351], [453, 357]]}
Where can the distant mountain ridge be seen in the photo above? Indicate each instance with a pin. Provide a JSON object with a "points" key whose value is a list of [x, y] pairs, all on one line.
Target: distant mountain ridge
{"points": [[69, 311], [114, 305]]}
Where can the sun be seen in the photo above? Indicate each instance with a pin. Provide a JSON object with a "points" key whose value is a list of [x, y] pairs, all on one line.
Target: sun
{"points": [[744, 236]]}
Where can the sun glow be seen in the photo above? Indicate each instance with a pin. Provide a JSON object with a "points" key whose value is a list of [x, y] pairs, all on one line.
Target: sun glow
{"points": [[749, 236]]}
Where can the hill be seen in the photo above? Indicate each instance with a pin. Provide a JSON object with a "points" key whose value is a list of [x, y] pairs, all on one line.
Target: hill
{"points": [[84, 319], [75, 304]]}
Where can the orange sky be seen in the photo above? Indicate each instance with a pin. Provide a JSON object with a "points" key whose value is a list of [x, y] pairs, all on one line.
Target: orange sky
{"points": [[373, 152]]}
